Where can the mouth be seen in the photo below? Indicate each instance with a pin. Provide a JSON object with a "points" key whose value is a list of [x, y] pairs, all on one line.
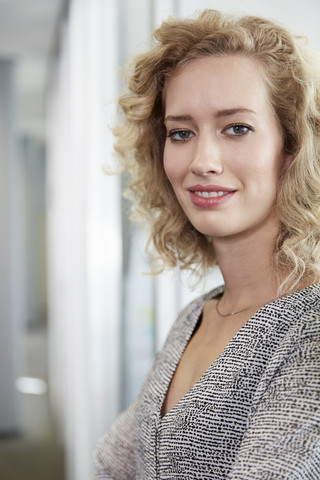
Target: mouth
{"points": [[210, 196], [205, 194]]}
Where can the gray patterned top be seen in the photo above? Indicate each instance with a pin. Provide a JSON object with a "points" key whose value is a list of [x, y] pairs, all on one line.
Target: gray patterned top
{"points": [[253, 415]]}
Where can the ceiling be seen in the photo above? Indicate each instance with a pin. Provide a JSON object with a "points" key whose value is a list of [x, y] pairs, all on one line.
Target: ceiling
{"points": [[27, 26], [28, 31]]}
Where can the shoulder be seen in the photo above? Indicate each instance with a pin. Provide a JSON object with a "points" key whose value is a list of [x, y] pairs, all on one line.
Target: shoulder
{"points": [[306, 305], [301, 307], [300, 313], [185, 323], [190, 314], [202, 299]]}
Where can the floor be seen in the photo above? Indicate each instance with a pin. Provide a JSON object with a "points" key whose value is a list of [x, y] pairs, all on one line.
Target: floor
{"points": [[24, 459], [34, 453]]}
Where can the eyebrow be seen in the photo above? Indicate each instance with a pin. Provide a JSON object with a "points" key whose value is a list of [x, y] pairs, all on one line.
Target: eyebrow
{"points": [[233, 111], [219, 114], [178, 118]]}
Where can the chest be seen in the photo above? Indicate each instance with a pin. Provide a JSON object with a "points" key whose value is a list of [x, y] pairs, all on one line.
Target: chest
{"points": [[200, 434], [205, 346]]}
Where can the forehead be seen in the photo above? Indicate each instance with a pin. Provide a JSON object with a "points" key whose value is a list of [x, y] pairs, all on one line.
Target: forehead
{"points": [[217, 81]]}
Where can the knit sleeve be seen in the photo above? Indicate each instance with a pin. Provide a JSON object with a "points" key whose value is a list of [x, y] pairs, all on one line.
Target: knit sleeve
{"points": [[282, 440], [115, 452]]}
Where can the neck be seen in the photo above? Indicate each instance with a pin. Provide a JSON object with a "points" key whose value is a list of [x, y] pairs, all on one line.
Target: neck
{"points": [[247, 268]]}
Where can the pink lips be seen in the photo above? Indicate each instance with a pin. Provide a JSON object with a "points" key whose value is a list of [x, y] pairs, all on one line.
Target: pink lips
{"points": [[210, 196]]}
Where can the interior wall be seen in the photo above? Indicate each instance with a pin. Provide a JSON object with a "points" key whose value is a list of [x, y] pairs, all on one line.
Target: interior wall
{"points": [[300, 17], [9, 421]]}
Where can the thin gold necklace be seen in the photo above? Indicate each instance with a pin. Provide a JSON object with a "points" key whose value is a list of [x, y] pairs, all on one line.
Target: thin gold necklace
{"points": [[255, 305], [244, 309]]}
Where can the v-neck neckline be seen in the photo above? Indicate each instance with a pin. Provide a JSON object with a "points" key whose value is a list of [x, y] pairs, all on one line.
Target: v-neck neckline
{"points": [[193, 319]]}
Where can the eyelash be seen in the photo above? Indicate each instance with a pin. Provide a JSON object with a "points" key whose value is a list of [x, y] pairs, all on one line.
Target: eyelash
{"points": [[248, 129], [183, 140], [175, 140]]}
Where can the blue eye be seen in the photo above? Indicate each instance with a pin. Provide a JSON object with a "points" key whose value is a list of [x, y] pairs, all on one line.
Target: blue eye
{"points": [[238, 130], [180, 135]]}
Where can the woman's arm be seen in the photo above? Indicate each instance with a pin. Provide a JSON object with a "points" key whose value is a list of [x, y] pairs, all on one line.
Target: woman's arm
{"points": [[115, 452], [282, 441]]}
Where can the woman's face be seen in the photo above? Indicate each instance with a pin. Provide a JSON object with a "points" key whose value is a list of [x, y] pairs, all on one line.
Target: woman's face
{"points": [[224, 150]]}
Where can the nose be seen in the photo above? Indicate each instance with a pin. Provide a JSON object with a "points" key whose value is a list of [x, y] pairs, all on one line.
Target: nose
{"points": [[207, 157]]}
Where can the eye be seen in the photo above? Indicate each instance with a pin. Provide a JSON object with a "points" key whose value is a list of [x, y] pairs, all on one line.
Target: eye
{"points": [[180, 135], [238, 130]]}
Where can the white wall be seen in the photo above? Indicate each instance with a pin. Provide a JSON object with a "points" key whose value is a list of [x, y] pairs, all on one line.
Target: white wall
{"points": [[301, 17], [8, 326]]}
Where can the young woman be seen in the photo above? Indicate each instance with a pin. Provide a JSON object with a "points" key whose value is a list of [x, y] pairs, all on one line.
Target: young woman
{"points": [[222, 138]]}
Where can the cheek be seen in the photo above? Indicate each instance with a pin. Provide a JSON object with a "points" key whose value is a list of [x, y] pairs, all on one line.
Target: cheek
{"points": [[262, 162], [170, 165], [165, 162]]}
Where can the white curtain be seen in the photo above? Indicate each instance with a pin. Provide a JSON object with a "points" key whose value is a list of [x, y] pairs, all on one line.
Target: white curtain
{"points": [[84, 232]]}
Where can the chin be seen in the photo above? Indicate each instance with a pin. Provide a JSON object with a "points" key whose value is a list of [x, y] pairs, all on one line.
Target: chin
{"points": [[212, 232]]}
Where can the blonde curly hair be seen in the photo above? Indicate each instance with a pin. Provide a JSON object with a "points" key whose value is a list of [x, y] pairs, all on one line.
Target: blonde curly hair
{"points": [[291, 73]]}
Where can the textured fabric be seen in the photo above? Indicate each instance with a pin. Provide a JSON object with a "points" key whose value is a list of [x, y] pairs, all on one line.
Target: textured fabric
{"points": [[253, 415]]}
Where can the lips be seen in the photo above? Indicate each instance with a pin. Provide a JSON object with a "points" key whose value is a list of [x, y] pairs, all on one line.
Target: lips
{"points": [[210, 188], [210, 196]]}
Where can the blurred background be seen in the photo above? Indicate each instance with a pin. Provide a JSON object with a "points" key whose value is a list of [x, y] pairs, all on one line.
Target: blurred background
{"points": [[79, 320]]}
